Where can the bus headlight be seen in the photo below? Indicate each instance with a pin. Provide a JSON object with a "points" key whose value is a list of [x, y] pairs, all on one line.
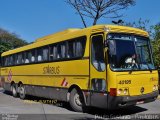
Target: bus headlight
{"points": [[119, 91], [122, 91], [125, 91], [155, 87]]}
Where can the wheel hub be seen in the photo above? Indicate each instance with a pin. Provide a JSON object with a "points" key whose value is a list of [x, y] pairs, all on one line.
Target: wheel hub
{"points": [[21, 91], [77, 100]]}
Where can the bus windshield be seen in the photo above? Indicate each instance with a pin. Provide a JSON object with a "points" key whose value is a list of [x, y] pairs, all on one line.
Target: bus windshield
{"points": [[129, 52]]}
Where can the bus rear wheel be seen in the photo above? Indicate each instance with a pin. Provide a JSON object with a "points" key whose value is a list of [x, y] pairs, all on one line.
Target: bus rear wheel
{"points": [[22, 92], [13, 90], [76, 100]]}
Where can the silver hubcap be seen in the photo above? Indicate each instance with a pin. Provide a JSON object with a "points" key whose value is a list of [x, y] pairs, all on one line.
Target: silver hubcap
{"points": [[21, 91], [13, 90], [77, 100]]}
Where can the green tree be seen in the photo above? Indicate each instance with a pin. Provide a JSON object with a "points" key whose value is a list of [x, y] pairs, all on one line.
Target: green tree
{"points": [[156, 52], [9, 41], [141, 24], [156, 31], [156, 44]]}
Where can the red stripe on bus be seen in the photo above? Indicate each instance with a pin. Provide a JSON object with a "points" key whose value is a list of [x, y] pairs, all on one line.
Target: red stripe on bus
{"points": [[63, 82]]}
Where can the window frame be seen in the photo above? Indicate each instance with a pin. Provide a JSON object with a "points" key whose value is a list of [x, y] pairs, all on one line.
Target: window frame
{"points": [[49, 46]]}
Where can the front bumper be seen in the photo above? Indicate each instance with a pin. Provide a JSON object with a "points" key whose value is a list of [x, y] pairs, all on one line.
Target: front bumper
{"points": [[115, 102]]}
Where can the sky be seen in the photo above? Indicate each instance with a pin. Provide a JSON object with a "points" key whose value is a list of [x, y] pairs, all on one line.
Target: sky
{"points": [[32, 19]]}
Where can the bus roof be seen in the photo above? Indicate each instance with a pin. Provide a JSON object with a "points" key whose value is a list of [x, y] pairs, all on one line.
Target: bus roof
{"points": [[71, 33]]}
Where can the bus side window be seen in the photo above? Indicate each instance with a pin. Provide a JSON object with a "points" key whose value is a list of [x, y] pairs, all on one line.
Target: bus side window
{"points": [[23, 58], [45, 54], [59, 56], [51, 53], [98, 85], [97, 53], [32, 56], [79, 48], [70, 49], [54, 52], [39, 54], [11, 60], [19, 58], [63, 50], [5, 61], [26, 57], [14, 59]]}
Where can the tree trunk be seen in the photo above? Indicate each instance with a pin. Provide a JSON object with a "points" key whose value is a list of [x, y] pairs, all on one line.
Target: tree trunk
{"points": [[96, 18]]}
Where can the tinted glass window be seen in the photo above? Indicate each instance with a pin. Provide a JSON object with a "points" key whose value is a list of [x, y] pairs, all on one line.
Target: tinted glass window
{"points": [[70, 49], [98, 85], [39, 54], [76, 47], [27, 58], [45, 54], [55, 52], [136, 55], [98, 53], [32, 56], [6, 60], [63, 50], [59, 51]]}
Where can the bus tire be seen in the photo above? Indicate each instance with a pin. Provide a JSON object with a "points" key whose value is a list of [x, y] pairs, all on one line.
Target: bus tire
{"points": [[13, 90], [76, 100], [22, 92]]}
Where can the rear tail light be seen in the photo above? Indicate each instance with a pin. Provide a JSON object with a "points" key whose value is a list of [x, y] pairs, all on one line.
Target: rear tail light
{"points": [[113, 92]]}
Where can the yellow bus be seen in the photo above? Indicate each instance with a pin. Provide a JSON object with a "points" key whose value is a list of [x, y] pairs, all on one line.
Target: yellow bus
{"points": [[104, 66]]}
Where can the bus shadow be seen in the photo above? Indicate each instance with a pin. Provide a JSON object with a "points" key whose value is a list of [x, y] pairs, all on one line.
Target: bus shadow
{"points": [[94, 111], [123, 113], [119, 112], [91, 111]]}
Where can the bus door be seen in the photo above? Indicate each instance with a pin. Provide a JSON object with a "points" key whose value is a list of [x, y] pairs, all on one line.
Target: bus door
{"points": [[98, 83]]}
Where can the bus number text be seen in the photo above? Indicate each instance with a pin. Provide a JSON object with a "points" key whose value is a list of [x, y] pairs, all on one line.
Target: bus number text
{"points": [[125, 82]]}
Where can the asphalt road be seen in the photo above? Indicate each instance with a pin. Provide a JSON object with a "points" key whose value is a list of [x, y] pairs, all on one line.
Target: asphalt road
{"points": [[42, 109]]}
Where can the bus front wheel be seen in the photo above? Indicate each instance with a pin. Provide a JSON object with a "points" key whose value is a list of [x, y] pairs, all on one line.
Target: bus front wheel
{"points": [[76, 100], [22, 91]]}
